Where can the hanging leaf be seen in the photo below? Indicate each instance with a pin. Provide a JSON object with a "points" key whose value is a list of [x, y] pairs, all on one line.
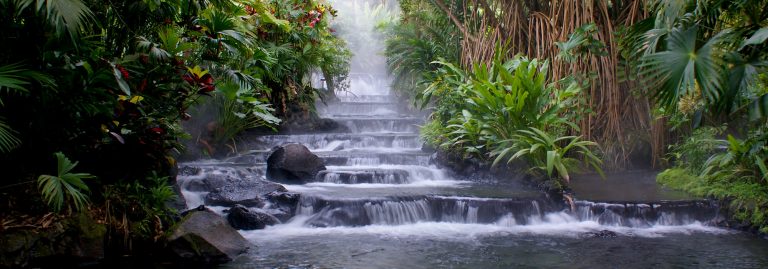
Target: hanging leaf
{"points": [[121, 83], [758, 109], [758, 38]]}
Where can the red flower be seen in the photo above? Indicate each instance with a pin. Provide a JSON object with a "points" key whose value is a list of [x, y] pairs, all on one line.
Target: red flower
{"points": [[250, 10], [123, 71], [143, 85], [157, 130]]}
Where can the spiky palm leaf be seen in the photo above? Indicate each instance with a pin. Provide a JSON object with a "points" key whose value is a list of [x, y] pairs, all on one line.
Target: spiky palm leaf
{"points": [[15, 79], [64, 186]]}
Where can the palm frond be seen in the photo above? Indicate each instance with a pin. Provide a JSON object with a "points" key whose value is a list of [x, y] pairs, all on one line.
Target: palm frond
{"points": [[64, 186], [684, 69], [8, 137]]}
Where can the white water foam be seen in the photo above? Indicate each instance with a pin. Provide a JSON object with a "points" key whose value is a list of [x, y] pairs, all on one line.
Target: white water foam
{"points": [[471, 231]]}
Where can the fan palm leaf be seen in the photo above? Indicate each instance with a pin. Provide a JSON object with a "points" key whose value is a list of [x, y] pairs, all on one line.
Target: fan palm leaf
{"points": [[63, 15], [683, 68]]}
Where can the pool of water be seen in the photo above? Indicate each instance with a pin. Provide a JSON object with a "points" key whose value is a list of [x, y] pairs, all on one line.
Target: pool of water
{"points": [[441, 245]]}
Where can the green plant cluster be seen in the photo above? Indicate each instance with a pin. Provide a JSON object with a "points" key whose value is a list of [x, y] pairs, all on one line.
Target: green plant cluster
{"points": [[500, 113], [703, 58], [108, 83], [507, 112], [422, 36], [733, 170], [705, 64]]}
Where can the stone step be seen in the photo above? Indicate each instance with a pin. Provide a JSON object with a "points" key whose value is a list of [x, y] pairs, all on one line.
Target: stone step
{"points": [[340, 141]]}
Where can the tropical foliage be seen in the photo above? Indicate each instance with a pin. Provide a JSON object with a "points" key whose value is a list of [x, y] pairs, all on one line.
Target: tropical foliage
{"points": [[422, 36], [507, 111], [733, 170], [110, 83], [65, 187], [578, 38], [655, 72], [704, 62]]}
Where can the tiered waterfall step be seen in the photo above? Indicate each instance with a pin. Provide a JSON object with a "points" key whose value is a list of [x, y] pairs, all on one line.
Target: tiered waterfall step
{"points": [[338, 141], [323, 211], [358, 124], [356, 158], [380, 174], [360, 108], [366, 98]]}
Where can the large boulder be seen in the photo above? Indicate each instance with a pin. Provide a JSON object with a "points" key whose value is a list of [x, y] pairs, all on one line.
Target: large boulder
{"points": [[293, 163], [249, 193], [204, 236], [240, 217]]}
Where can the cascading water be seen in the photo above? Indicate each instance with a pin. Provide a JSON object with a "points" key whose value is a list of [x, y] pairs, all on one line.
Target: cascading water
{"points": [[382, 203]]}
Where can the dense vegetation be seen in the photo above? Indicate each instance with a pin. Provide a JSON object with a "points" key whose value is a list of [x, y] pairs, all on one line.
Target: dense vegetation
{"points": [[637, 77], [108, 83]]}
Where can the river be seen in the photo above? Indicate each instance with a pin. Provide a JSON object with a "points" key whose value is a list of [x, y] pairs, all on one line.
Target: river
{"points": [[384, 203]]}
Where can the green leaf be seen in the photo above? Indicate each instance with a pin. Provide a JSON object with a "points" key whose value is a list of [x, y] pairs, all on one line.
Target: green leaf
{"points": [[120, 80], [562, 171], [682, 68], [8, 137], [758, 38], [267, 17], [758, 108], [65, 186], [551, 158]]}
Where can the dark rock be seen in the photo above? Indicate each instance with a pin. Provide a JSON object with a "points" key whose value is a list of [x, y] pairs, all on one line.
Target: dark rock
{"points": [[285, 198], [206, 237], [293, 163], [199, 208], [313, 125], [428, 148], [283, 204], [178, 203], [601, 234], [338, 217], [329, 125], [284, 215], [249, 193], [189, 171], [212, 181], [242, 218], [197, 186], [69, 242]]}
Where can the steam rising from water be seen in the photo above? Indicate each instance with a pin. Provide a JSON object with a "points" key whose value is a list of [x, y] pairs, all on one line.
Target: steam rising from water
{"points": [[357, 23]]}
